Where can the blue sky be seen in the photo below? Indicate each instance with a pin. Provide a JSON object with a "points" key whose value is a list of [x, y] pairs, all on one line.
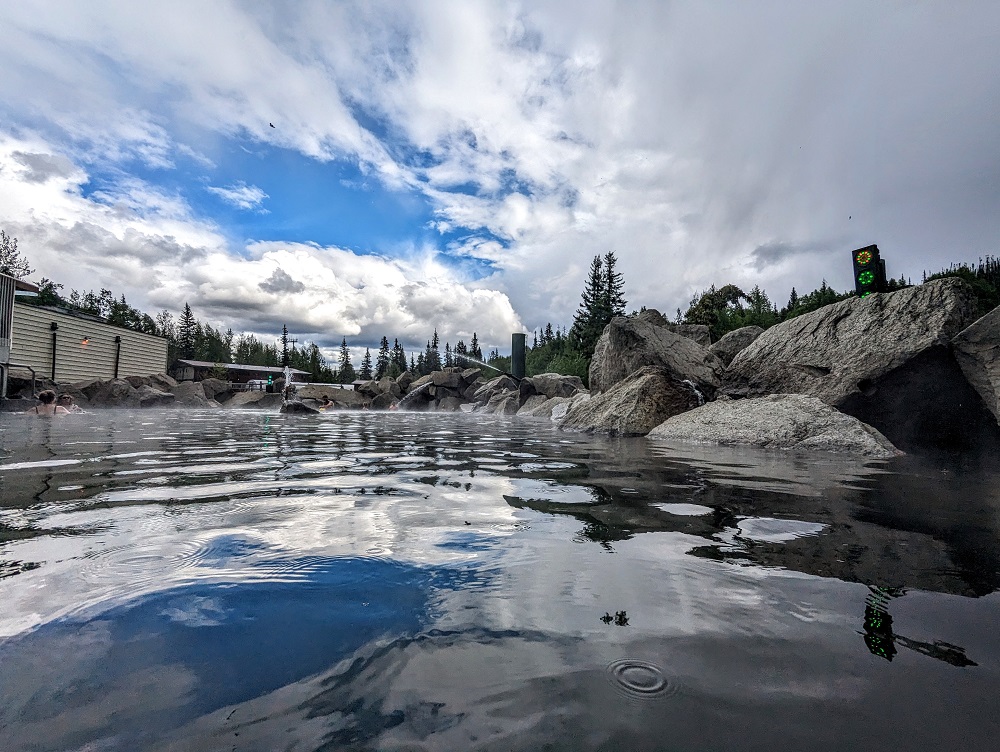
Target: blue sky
{"points": [[456, 165]]}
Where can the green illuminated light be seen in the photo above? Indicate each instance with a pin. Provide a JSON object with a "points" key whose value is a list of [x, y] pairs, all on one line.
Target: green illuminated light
{"points": [[866, 278], [864, 258]]}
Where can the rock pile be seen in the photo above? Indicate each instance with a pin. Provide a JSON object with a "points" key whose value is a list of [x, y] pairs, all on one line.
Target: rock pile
{"points": [[912, 368]]}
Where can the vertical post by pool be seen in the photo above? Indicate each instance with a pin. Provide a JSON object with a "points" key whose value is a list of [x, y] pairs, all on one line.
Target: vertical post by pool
{"points": [[517, 355]]}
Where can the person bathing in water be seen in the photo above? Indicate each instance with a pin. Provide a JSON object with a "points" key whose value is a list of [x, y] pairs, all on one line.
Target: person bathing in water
{"points": [[48, 406], [67, 401]]}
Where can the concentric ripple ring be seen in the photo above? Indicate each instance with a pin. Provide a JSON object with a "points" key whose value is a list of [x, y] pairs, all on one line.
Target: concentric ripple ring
{"points": [[639, 678]]}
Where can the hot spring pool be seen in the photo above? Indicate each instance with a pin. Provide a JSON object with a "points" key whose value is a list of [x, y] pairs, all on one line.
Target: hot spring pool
{"points": [[223, 580]]}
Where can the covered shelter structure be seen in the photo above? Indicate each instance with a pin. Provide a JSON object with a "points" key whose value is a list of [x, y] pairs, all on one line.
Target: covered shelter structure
{"points": [[184, 369]]}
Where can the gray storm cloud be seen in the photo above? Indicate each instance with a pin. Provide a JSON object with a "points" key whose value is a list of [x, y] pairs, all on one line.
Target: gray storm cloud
{"points": [[280, 281]]}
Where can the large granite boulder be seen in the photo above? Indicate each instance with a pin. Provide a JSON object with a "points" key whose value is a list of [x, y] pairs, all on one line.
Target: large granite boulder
{"points": [[382, 401], [297, 406], [162, 381], [545, 407], [555, 384], [886, 359], [390, 387], [629, 343], [735, 342], [256, 400], [778, 421], [216, 389], [111, 393], [977, 350], [699, 333], [502, 403], [149, 396], [192, 394], [633, 406]]}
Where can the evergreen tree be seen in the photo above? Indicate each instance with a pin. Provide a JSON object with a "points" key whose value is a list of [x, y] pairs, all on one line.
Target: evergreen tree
{"points": [[613, 300], [548, 336], [399, 356], [346, 370], [366, 365], [449, 360], [413, 364], [11, 261], [382, 361], [461, 350], [185, 333], [592, 315], [434, 353], [475, 351]]}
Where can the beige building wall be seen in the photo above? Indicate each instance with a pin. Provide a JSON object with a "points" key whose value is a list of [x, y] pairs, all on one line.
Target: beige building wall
{"points": [[84, 349]]}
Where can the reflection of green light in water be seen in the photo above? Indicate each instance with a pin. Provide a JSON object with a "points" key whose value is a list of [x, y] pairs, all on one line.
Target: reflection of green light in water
{"points": [[866, 278], [864, 258]]}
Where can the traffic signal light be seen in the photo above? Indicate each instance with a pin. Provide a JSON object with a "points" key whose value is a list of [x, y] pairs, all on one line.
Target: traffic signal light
{"points": [[869, 271], [270, 380]]}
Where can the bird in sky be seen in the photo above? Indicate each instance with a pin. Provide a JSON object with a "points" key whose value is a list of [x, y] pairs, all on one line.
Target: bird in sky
{"points": [[271, 124]]}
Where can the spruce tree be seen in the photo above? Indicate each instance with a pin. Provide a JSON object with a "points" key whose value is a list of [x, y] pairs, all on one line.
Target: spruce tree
{"points": [[347, 374], [474, 350], [614, 302], [382, 361], [398, 356], [186, 333], [589, 320], [366, 365]]}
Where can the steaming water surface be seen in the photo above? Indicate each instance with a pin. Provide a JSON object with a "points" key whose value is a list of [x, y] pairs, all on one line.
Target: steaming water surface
{"points": [[205, 580]]}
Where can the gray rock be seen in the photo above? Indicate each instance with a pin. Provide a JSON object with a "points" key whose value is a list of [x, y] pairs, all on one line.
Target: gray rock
{"points": [[778, 421], [885, 359], [699, 333], [449, 377], [734, 342], [162, 381], [531, 404], [405, 379], [148, 396], [390, 387], [502, 403], [546, 407], [471, 375], [495, 386], [633, 406], [255, 400], [450, 404], [113, 393], [215, 388], [382, 401], [192, 394], [977, 350], [844, 348], [629, 343], [296, 406], [556, 384], [138, 381]]}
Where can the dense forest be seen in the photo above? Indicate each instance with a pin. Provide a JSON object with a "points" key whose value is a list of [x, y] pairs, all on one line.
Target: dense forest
{"points": [[550, 350]]}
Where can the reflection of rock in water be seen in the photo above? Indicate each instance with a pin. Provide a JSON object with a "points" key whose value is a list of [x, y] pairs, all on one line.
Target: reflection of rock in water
{"points": [[909, 522], [881, 640]]}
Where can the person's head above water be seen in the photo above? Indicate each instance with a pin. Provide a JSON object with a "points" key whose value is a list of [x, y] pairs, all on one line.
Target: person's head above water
{"points": [[47, 396]]}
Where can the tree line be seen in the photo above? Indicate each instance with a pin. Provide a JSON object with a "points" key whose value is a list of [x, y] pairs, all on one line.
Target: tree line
{"points": [[552, 349]]}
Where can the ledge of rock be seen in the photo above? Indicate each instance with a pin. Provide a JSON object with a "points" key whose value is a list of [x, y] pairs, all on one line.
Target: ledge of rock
{"points": [[778, 421], [632, 406], [977, 350], [629, 343]]}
